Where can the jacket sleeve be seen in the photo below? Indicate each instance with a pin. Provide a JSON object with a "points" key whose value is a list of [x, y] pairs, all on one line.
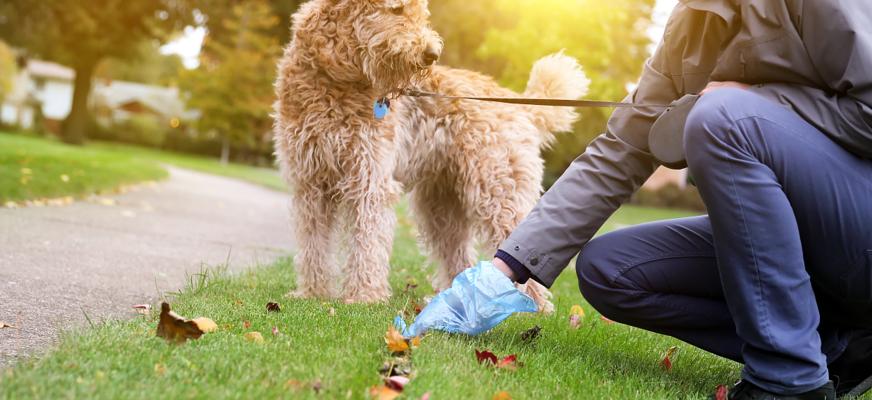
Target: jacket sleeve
{"points": [[611, 169], [837, 37]]}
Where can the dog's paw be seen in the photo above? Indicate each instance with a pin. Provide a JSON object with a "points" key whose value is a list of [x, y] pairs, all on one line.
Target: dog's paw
{"points": [[367, 297], [309, 294]]}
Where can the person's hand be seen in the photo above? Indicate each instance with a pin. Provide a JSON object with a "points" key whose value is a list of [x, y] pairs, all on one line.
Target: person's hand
{"points": [[712, 86], [478, 300]]}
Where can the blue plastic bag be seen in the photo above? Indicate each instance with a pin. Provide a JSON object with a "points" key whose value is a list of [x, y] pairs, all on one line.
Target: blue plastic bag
{"points": [[478, 300]]}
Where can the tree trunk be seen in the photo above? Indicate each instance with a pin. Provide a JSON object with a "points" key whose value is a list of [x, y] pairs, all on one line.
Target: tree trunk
{"points": [[77, 122], [225, 150]]}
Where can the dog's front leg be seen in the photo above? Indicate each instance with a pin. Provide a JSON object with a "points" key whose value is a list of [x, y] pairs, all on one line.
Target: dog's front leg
{"points": [[372, 222]]}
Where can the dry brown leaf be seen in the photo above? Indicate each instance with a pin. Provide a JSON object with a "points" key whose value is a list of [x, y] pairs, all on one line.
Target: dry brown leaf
{"points": [[143, 309], [255, 337], [395, 341], [206, 324], [666, 362], [176, 328], [273, 307], [383, 392], [246, 324]]}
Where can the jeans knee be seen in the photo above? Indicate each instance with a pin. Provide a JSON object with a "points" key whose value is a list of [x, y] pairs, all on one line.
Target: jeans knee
{"points": [[711, 124], [594, 269]]}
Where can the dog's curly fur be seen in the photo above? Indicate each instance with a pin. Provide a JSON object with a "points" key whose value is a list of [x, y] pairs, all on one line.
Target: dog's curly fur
{"points": [[473, 170]]}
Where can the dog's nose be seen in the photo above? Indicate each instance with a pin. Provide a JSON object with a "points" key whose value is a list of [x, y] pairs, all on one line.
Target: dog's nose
{"points": [[430, 57]]}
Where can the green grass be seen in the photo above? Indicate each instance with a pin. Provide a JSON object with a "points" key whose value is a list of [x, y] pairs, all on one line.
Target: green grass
{"points": [[34, 168], [267, 177], [344, 352]]}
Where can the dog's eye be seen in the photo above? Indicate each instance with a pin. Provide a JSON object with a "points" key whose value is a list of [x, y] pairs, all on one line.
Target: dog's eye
{"points": [[398, 10]]}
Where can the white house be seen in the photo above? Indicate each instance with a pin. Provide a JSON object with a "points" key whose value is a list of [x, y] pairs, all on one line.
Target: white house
{"points": [[47, 87], [40, 86]]}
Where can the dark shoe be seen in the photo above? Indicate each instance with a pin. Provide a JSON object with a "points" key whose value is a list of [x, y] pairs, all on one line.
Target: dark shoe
{"points": [[747, 391], [853, 369]]}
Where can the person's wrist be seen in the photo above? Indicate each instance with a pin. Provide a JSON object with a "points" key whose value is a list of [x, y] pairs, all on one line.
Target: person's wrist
{"points": [[504, 268]]}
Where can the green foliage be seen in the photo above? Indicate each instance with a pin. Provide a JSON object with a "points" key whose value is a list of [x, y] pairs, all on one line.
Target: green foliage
{"points": [[233, 85], [147, 66], [8, 69], [141, 129]]}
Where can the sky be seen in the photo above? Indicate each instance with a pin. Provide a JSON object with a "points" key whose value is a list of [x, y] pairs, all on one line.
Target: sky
{"points": [[188, 45]]}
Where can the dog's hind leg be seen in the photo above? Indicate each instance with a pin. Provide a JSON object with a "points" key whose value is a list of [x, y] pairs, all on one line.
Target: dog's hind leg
{"points": [[501, 200], [445, 230], [371, 236], [314, 216]]}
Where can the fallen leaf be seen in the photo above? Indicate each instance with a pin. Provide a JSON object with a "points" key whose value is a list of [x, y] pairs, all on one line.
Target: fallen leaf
{"points": [[176, 328], [574, 321], [255, 337], [246, 324], [273, 307], [160, 369], [531, 334], [721, 392], [397, 383], [666, 362], [142, 308], [65, 178], [395, 341], [576, 310], [509, 362], [415, 342], [275, 331], [485, 355], [4, 325], [503, 395], [606, 320], [383, 392], [206, 324]]}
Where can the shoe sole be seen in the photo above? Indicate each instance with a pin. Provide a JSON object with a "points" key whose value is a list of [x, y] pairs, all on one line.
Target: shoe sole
{"points": [[858, 390]]}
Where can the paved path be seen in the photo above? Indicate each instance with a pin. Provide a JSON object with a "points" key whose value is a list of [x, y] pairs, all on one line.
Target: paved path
{"points": [[59, 263]]}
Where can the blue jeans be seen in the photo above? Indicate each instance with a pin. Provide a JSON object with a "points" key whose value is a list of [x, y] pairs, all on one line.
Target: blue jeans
{"points": [[778, 274]]}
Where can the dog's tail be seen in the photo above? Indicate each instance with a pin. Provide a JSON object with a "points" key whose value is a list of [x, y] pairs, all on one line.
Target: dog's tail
{"points": [[561, 77]]}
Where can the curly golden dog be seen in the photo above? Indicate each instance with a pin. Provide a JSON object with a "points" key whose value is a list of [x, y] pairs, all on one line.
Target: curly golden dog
{"points": [[472, 170]]}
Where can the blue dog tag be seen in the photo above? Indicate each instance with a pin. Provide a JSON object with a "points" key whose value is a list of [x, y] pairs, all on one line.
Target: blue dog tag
{"points": [[380, 108]]}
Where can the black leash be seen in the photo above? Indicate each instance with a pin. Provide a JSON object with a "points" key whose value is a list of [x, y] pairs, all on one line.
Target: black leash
{"points": [[532, 102]]}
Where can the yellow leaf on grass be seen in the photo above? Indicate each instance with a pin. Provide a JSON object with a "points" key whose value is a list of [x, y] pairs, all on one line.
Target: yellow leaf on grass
{"points": [[577, 310], [395, 341], [206, 324], [254, 337], [65, 178], [383, 393]]}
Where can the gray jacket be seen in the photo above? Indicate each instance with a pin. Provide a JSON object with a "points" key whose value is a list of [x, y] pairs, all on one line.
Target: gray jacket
{"points": [[812, 55]]}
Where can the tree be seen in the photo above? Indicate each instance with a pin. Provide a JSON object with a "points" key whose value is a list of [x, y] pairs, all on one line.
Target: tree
{"points": [[81, 34], [8, 68], [232, 88], [148, 65]]}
